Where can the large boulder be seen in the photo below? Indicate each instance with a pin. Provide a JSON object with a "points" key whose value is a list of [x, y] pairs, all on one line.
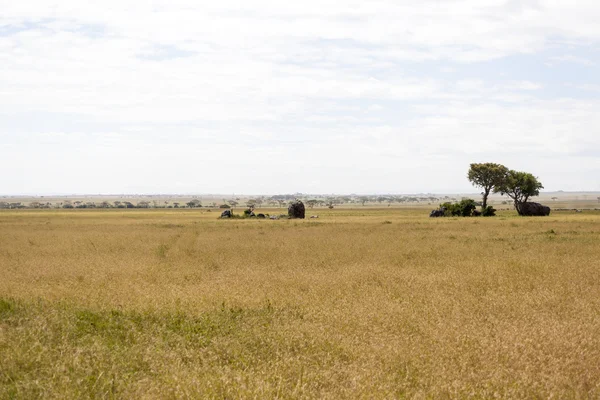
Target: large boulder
{"points": [[296, 209], [438, 213], [226, 214], [530, 209]]}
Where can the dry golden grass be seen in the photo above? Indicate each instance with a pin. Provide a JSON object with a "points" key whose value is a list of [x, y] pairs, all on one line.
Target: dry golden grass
{"points": [[359, 303]]}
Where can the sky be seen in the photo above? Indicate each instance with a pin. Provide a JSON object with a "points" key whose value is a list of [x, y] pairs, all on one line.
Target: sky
{"points": [[267, 97]]}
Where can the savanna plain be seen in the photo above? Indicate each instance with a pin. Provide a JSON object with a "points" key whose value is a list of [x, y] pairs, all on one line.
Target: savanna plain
{"points": [[359, 303]]}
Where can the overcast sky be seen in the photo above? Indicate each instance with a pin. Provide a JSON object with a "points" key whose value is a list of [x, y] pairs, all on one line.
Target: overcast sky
{"points": [[325, 96]]}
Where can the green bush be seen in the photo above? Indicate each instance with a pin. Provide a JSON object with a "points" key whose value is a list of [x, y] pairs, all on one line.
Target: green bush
{"points": [[489, 211], [464, 208]]}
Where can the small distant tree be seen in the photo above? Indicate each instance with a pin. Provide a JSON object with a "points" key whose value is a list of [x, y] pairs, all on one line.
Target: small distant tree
{"points": [[519, 186], [556, 198], [486, 176], [194, 203], [311, 203]]}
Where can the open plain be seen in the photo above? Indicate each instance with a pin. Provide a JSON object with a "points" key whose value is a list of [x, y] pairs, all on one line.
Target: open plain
{"points": [[359, 303]]}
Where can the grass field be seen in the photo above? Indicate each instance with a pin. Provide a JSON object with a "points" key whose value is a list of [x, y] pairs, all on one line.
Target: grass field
{"points": [[363, 303]]}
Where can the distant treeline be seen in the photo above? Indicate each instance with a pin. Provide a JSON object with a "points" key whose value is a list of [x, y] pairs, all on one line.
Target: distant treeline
{"points": [[261, 201]]}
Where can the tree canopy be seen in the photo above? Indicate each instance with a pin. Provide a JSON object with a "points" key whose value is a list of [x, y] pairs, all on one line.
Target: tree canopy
{"points": [[487, 176], [519, 186]]}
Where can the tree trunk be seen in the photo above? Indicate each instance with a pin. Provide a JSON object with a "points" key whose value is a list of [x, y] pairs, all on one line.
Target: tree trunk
{"points": [[486, 193], [518, 207]]}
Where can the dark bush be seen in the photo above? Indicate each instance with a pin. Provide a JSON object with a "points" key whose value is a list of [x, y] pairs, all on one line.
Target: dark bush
{"points": [[489, 211], [464, 208]]}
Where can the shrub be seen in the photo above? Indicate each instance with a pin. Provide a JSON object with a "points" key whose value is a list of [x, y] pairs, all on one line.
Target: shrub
{"points": [[449, 207], [224, 206], [464, 208], [489, 211]]}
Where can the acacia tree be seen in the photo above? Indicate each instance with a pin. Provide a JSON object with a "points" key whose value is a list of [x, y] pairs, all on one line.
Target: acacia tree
{"points": [[487, 176], [194, 203], [311, 203], [519, 186]]}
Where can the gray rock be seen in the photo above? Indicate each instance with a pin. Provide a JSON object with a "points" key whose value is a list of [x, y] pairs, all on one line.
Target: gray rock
{"points": [[226, 214], [530, 209], [437, 213], [296, 209]]}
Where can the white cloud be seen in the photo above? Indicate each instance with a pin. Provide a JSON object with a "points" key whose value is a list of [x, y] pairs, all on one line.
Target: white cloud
{"points": [[569, 58]]}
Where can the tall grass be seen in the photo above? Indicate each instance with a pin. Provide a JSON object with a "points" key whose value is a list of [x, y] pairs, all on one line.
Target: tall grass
{"points": [[357, 304]]}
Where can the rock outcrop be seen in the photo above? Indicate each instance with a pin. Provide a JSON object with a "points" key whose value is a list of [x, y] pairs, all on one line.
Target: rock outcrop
{"points": [[296, 209], [226, 214], [530, 209], [440, 212]]}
